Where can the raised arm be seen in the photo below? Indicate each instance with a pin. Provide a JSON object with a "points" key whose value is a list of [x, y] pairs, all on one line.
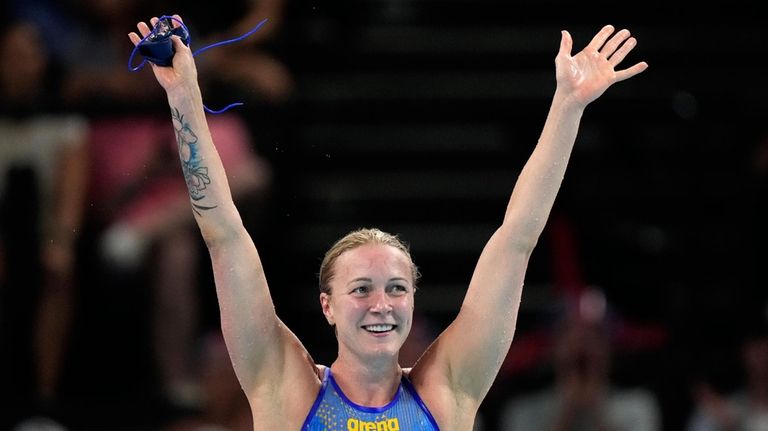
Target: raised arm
{"points": [[262, 350], [469, 353]]}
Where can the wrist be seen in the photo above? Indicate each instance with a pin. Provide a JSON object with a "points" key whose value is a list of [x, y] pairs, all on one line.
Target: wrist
{"points": [[186, 94], [567, 102]]}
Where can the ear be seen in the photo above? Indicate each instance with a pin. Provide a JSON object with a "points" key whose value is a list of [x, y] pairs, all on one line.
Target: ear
{"points": [[325, 304]]}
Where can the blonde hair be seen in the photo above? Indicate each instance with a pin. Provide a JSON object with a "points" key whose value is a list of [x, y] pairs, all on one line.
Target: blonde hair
{"points": [[355, 239]]}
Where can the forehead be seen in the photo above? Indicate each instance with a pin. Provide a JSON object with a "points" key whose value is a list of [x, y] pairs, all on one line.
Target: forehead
{"points": [[373, 259]]}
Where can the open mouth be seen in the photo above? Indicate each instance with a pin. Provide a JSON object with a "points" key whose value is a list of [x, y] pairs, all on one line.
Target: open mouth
{"points": [[380, 328]]}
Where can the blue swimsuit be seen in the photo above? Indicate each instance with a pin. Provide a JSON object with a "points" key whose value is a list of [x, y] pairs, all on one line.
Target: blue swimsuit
{"points": [[333, 411]]}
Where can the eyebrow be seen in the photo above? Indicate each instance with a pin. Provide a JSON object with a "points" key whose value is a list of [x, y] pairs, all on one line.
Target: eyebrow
{"points": [[369, 280]]}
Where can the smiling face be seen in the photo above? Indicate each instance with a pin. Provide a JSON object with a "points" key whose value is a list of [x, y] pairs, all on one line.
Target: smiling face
{"points": [[371, 301]]}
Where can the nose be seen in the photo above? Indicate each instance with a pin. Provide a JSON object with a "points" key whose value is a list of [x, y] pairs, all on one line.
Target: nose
{"points": [[380, 302]]}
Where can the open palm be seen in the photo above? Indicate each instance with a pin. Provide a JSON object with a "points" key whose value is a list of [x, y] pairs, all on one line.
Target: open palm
{"points": [[586, 75]]}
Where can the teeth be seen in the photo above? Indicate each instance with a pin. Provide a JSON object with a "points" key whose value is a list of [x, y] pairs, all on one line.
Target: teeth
{"points": [[379, 328]]}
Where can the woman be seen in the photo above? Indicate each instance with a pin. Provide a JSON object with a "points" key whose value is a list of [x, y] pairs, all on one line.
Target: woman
{"points": [[368, 278]]}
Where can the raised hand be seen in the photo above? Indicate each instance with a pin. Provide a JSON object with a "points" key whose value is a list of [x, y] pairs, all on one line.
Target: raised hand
{"points": [[586, 75], [183, 70]]}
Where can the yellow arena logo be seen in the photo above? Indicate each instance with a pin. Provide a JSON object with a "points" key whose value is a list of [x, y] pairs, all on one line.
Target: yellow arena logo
{"points": [[384, 425]]}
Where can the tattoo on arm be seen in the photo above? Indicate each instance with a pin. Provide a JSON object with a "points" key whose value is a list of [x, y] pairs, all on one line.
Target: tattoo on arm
{"points": [[195, 174]]}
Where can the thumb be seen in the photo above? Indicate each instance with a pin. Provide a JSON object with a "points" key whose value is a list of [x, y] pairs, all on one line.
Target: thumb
{"points": [[178, 44], [566, 43]]}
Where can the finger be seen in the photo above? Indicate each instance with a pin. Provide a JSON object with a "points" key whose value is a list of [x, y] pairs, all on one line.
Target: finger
{"points": [[154, 21], [630, 72], [613, 44], [135, 39], [600, 38], [566, 43], [177, 21], [144, 29], [622, 52]]}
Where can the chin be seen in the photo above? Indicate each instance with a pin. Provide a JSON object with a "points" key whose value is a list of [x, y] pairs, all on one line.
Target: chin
{"points": [[386, 350]]}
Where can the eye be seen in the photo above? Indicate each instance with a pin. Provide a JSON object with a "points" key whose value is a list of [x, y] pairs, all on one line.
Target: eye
{"points": [[397, 289], [360, 290]]}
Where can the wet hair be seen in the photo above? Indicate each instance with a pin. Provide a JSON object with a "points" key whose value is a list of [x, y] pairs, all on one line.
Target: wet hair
{"points": [[355, 239]]}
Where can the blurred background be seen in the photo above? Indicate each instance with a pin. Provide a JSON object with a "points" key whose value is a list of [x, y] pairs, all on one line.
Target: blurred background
{"points": [[414, 116]]}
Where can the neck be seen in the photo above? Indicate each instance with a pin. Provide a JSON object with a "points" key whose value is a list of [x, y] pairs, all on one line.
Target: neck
{"points": [[371, 384]]}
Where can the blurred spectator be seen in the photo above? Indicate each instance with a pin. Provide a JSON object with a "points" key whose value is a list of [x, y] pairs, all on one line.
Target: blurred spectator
{"points": [[143, 201], [88, 38], [137, 195], [224, 406], [248, 68], [42, 188], [746, 407], [138, 199], [583, 396]]}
